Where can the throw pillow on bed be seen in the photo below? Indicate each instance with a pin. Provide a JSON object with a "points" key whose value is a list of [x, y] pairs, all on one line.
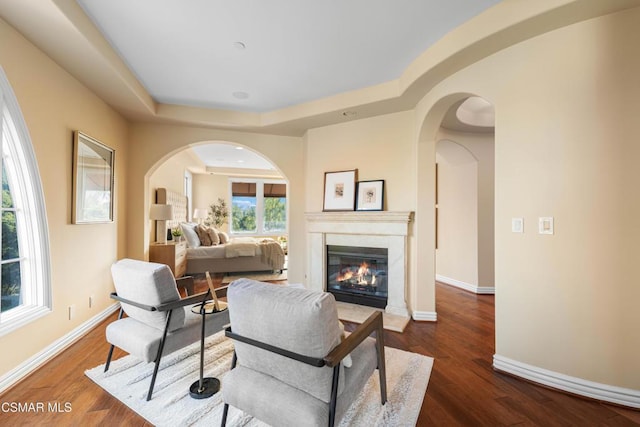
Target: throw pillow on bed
{"points": [[224, 237], [213, 235], [203, 235]]}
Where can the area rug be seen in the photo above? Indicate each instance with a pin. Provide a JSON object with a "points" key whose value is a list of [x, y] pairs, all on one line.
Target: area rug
{"points": [[262, 277], [128, 381]]}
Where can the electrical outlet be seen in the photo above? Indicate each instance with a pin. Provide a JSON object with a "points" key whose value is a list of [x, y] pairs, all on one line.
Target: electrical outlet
{"points": [[72, 312]]}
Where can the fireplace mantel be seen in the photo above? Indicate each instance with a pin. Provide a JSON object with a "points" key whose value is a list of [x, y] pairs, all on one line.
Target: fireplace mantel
{"points": [[379, 229]]}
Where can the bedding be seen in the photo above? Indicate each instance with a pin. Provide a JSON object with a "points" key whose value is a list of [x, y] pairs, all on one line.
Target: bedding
{"points": [[239, 254]]}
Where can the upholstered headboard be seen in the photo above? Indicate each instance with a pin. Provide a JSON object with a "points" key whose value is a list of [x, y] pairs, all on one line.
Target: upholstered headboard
{"points": [[179, 203]]}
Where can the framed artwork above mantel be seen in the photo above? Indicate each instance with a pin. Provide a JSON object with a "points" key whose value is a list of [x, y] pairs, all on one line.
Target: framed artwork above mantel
{"points": [[340, 190]]}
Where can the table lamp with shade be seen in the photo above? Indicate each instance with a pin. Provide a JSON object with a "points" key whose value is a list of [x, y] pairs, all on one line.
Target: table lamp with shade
{"points": [[200, 214], [161, 214]]}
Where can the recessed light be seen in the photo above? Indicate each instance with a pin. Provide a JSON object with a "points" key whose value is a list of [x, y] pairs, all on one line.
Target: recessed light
{"points": [[239, 148], [240, 161], [240, 95], [239, 45]]}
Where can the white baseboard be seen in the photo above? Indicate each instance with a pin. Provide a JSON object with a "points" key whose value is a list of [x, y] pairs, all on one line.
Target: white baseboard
{"points": [[425, 316], [598, 391], [466, 286], [49, 352]]}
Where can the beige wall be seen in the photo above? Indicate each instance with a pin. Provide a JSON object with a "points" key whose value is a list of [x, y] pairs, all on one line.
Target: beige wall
{"points": [[457, 249], [54, 104], [566, 147], [379, 148], [207, 188]]}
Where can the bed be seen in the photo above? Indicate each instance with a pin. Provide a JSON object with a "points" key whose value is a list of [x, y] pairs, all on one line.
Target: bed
{"points": [[240, 254]]}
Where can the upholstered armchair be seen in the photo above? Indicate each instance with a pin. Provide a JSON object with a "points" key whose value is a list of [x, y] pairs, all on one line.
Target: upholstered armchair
{"points": [[287, 368], [158, 320]]}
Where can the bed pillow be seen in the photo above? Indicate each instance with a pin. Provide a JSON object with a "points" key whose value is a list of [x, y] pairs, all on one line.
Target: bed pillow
{"points": [[224, 237], [205, 240], [189, 232], [213, 235]]}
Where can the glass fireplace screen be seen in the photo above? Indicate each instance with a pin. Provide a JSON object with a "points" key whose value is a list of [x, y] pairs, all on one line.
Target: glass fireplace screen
{"points": [[358, 274]]}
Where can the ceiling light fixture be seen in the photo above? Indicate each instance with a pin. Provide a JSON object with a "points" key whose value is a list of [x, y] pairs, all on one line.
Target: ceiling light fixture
{"points": [[240, 95], [239, 148]]}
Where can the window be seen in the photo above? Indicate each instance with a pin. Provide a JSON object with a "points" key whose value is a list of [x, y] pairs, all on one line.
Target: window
{"points": [[258, 207], [25, 274]]}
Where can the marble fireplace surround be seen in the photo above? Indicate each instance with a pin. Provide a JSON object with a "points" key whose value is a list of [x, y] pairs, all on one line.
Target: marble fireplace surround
{"points": [[374, 229]]}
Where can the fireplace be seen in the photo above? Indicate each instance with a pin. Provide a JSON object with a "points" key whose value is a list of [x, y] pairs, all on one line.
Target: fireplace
{"points": [[382, 230], [358, 274]]}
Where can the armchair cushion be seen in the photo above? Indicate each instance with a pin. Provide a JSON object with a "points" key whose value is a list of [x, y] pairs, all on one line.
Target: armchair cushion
{"points": [[315, 333], [147, 283]]}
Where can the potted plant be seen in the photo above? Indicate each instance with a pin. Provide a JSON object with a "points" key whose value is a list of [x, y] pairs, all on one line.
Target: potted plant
{"points": [[176, 232], [218, 213]]}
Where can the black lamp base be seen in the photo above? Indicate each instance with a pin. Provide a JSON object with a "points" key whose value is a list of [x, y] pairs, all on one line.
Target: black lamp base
{"points": [[169, 235], [210, 386]]}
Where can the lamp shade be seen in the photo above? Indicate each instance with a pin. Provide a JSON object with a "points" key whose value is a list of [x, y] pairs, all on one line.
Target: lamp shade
{"points": [[200, 213], [161, 212]]}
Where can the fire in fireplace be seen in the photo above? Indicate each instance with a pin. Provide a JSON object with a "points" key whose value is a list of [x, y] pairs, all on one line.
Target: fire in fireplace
{"points": [[357, 274]]}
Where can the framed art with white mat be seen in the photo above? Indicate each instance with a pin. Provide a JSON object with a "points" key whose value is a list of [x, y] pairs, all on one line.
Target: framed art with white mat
{"points": [[370, 195]]}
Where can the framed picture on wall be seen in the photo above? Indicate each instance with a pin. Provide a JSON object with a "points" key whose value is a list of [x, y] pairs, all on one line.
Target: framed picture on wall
{"points": [[340, 190], [370, 195], [92, 197]]}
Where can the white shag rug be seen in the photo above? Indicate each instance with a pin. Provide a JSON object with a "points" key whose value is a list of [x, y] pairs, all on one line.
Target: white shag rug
{"points": [[128, 380]]}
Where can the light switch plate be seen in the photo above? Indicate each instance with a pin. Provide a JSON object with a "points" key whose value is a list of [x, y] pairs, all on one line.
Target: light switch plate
{"points": [[545, 225], [517, 225]]}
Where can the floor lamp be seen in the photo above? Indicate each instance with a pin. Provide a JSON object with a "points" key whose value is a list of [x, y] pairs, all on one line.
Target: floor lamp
{"points": [[161, 214]]}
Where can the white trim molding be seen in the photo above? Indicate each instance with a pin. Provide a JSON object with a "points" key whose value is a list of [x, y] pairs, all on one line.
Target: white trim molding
{"points": [[425, 316], [579, 386], [28, 366], [466, 286]]}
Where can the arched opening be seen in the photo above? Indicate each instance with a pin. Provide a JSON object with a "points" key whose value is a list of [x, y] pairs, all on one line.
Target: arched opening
{"points": [[455, 200], [465, 153], [229, 177]]}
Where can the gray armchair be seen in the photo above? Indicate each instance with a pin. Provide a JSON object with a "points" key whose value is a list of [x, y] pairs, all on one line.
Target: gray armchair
{"points": [[287, 366], [158, 321]]}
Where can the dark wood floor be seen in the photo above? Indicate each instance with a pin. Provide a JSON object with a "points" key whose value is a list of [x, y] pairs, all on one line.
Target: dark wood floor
{"points": [[463, 390]]}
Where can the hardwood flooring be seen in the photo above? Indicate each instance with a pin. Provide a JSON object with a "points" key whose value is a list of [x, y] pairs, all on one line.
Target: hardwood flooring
{"points": [[464, 390]]}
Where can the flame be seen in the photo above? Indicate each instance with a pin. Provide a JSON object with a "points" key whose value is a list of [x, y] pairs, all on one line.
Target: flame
{"points": [[359, 276]]}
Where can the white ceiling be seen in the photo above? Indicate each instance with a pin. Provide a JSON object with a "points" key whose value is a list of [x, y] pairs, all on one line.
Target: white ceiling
{"points": [[296, 51], [217, 155]]}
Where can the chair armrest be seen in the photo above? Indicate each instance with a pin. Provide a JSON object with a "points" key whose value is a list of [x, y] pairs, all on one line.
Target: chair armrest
{"points": [[187, 283], [194, 299], [115, 296], [313, 361], [372, 324]]}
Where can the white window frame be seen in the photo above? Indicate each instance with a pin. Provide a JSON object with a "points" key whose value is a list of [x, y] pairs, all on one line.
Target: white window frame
{"points": [[259, 205], [31, 219]]}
